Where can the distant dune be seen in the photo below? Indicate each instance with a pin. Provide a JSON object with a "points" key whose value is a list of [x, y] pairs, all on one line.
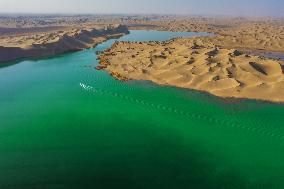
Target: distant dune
{"points": [[20, 31], [51, 43], [256, 34], [197, 63]]}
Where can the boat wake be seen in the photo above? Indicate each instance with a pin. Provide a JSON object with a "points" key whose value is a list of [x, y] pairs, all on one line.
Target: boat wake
{"points": [[86, 87], [190, 115]]}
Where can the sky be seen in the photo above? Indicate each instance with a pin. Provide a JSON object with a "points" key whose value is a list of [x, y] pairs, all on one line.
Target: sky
{"points": [[187, 7]]}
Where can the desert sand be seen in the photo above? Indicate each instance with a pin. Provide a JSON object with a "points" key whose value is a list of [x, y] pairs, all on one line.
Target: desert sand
{"points": [[27, 42], [21, 33], [197, 63], [254, 34]]}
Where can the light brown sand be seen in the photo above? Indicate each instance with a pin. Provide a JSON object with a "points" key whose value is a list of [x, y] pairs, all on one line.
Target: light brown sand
{"points": [[198, 64], [240, 33], [47, 43]]}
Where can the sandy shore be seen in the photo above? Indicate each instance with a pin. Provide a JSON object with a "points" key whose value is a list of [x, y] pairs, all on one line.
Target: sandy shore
{"points": [[199, 64], [46, 41]]}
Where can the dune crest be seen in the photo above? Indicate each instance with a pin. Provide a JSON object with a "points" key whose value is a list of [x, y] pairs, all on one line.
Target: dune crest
{"points": [[197, 64], [58, 42]]}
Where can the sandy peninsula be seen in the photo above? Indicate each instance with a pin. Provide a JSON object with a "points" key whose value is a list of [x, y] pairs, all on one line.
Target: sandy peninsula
{"points": [[228, 64], [197, 63]]}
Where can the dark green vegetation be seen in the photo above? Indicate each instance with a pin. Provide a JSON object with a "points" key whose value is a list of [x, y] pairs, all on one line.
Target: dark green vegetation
{"points": [[65, 125]]}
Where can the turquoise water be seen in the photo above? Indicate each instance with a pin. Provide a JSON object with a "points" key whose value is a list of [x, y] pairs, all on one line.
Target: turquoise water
{"points": [[64, 124]]}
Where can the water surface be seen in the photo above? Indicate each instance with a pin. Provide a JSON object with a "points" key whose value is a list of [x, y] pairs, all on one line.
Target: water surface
{"points": [[64, 124]]}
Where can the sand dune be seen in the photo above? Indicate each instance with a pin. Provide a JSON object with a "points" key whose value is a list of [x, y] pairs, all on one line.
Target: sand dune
{"points": [[197, 64], [52, 43], [259, 34]]}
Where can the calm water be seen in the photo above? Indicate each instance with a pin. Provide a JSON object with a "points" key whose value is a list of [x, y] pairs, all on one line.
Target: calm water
{"points": [[65, 125]]}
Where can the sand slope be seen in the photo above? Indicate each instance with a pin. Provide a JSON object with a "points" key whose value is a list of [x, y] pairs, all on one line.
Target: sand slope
{"points": [[197, 64], [56, 42]]}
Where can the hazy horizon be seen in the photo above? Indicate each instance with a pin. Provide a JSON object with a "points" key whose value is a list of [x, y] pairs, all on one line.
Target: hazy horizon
{"points": [[272, 8]]}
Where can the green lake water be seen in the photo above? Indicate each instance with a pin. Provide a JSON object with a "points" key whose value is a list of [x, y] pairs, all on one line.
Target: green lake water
{"points": [[64, 124]]}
